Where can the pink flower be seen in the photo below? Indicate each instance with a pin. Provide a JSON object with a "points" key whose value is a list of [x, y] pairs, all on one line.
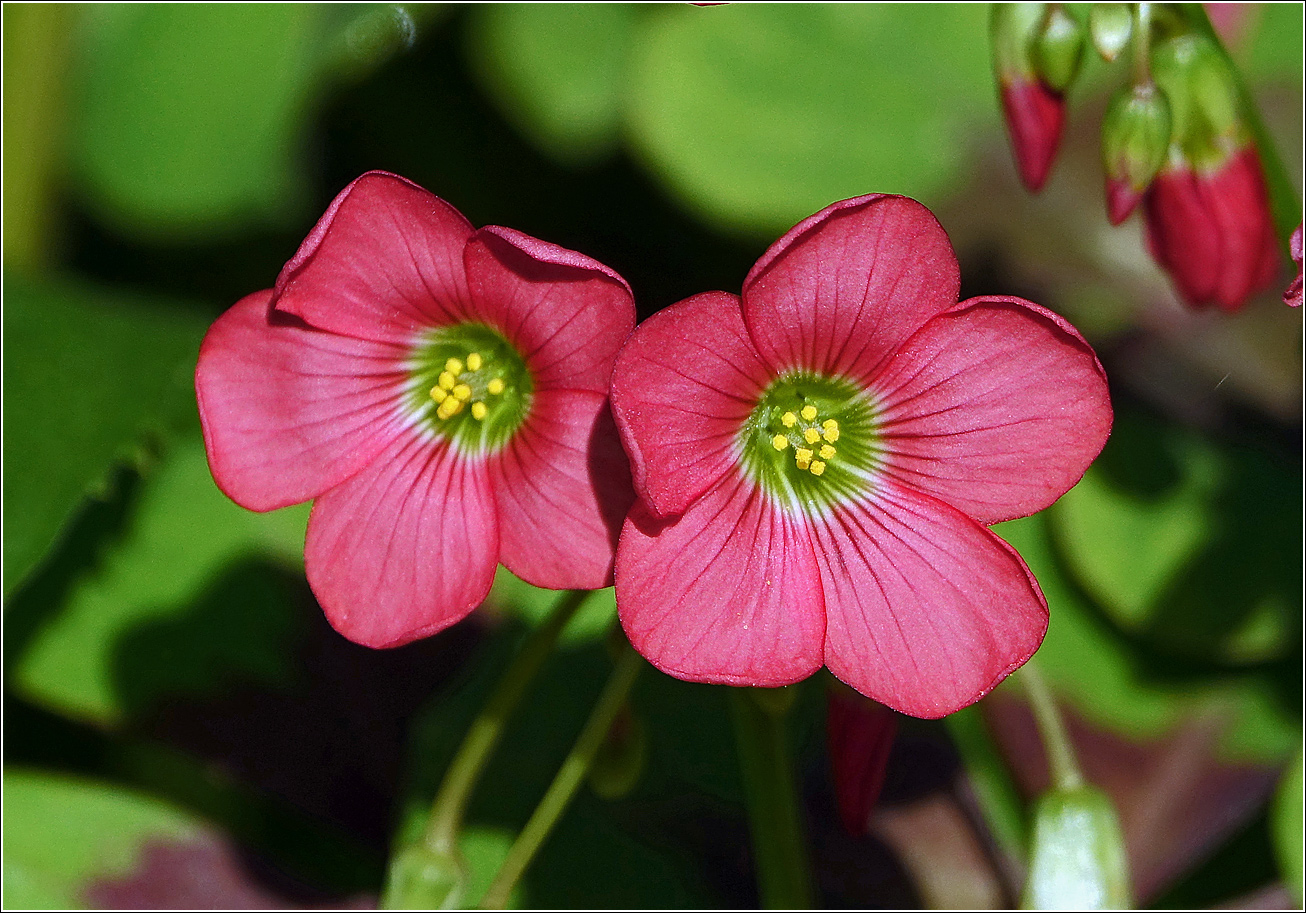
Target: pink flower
{"points": [[859, 734], [1212, 231], [1292, 294], [441, 392], [817, 463]]}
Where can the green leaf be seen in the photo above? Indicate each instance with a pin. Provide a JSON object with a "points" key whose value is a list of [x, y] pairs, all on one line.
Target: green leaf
{"points": [[186, 117], [61, 834], [1079, 854], [1286, 820], [557, 71], [87, 373], [170, 607], [759, 115], [1113, 683]]}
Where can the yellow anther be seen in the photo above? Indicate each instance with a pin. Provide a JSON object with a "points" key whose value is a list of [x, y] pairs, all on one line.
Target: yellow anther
{"points": [[831, 434], [474, 361], [447, 380], [453, 366], [802, 464], [830, 425], [808, 413], [449, 408], [478, 409], [462, 392], [827, 451], [495, 387], [788, 419], [817, 467], [779, 442], [803, 455], [811, 435], [438, 394]]}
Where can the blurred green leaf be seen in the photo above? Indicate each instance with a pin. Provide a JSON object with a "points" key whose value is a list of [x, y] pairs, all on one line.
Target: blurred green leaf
{"points": [[1112, 683], [62, 834], [1079, 853], [157, 615], [533, 605], [1275, 51], [557, 70], [1286, 819], [87, 373], [758, 115], [1192, 547]]}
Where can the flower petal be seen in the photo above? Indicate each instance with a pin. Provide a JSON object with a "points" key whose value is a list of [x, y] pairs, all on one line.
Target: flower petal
{"points": [[405, 548], [726, 593], [384, 262], [563, 488], [289, 411], [681, 390], [927, 610], [996, 407], [841, 290], [566, 314]]}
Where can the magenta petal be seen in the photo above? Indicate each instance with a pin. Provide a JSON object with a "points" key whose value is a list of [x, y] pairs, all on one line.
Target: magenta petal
{"points": [[842, 290], [384, 262], [289, 411], [563, 488], [405, 548], [996, 407], [927, 610], [565, 313], [727, 593], [681, 390]]}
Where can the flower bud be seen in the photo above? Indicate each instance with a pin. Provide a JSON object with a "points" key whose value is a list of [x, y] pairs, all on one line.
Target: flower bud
{"points": [[1205, 108], [619, 763], [422, 879], [1078, 853], [1292, 296], [1058, 48], [1110, 25], [1212, 231], [1135, 138], [1033, 109], [859, 735]]}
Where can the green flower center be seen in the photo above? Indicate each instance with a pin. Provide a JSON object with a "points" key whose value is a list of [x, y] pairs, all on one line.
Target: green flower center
{"points": [[811, 441], [470, 385]]}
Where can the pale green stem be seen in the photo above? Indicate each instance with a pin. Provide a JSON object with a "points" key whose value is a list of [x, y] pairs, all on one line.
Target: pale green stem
{"points": [[774, 810], [1142, 43], [450, 803], [568, 779], [1052, 729]]}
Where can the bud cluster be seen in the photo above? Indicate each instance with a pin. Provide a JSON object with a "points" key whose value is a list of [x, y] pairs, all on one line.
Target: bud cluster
{"points": [[1175, 137]]}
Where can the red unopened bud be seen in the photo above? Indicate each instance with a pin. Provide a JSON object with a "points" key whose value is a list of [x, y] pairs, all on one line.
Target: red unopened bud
{"points": [[1211, 230], [859, 733], [1033, 109], [1292, 296], [1135, 137]]}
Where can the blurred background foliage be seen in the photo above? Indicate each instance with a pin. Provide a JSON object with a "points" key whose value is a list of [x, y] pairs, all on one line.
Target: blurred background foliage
{"points": [[183, 729]]}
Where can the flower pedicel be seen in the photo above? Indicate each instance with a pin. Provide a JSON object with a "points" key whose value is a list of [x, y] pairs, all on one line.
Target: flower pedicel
{"points": [[818, 461], [441, 392]]}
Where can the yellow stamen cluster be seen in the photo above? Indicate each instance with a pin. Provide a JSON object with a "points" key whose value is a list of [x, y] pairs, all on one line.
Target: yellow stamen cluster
{"points": [[460, 386], [804, 439]]}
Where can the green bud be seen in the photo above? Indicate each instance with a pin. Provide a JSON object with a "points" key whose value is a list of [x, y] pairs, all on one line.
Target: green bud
{"points": [[1079, 854], [1058, 48], [1012, 30], [619, 764], [1110, 25], [1205, 109], [1136, 135], [422, 879]]}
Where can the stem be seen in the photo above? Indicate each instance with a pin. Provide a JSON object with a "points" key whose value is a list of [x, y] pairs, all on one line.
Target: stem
{"points": [[1285, 206], [1142, 43], [775, 818], [1061, 756], [568, 779], [455, 791]]}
